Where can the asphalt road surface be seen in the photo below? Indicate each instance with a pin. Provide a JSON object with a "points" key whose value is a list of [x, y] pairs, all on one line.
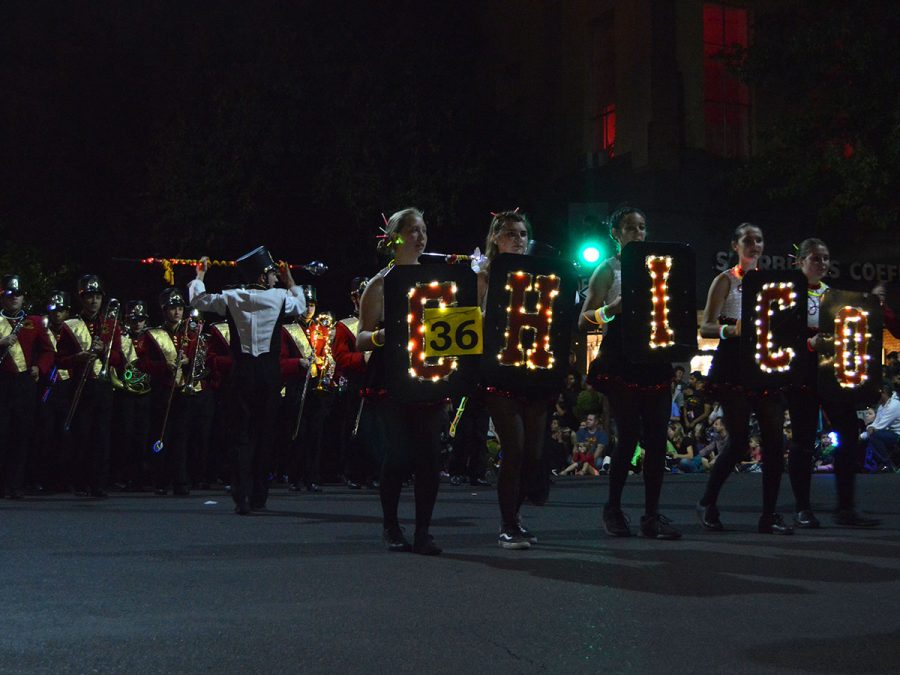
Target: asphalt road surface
{"points": [[139, 583]]}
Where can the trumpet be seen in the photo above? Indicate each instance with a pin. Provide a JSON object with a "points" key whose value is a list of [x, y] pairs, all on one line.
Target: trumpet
{"points": [[20, 323], [112, 312], [198, 364]]}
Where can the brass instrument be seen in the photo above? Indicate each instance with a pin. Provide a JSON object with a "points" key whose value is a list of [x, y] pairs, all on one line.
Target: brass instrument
{"points": [[185, 326], [113, 307], [326, 377], [133, 380], [199, 369], [112, 311], [20, 323]]}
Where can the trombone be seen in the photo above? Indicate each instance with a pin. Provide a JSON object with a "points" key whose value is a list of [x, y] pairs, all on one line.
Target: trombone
{"points": [[185, 329], [112, 311]]}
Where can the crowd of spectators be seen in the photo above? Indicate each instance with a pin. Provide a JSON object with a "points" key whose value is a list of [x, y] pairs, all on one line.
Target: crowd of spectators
{"points": [[581, 434]]}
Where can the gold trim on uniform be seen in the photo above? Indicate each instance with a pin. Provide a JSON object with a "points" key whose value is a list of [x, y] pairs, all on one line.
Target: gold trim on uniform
{"points": [[15, 349]]}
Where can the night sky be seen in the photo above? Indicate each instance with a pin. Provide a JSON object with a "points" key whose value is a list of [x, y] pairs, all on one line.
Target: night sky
{"points": [[177, 129], [180, 129]]}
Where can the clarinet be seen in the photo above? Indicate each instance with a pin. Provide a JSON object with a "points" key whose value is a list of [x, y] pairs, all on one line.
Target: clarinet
{"points": [[20, 323]]}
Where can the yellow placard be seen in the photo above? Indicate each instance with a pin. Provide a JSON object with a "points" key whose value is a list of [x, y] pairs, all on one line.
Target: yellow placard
{"points": [[453, 331]]}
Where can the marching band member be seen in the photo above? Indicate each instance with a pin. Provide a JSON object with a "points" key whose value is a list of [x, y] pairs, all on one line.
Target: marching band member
{"points": [[219, 361], [722, 319], [520, 420], [639, 394], [27, 355], [54, 448], [297, 364], [167, 351], [132, 398], [319, 400], [254, 312], [88, 346], [411, 432], [351, 364], [813, 259]]}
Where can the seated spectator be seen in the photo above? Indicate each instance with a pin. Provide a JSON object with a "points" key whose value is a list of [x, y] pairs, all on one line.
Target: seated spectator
{"points": [[677, 447], [559, 445], [565, 404], [752, 463], [677, 392], [592, 401], [697, 406], [582, 462], [883, 434], [824, 454], [704, 459]]}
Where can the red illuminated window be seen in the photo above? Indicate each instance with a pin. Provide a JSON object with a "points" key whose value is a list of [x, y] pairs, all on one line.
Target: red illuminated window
{"points": [[726, 98]]}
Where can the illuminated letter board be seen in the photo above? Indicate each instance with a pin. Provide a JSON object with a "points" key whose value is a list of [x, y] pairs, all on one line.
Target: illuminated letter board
{"points": [[853, 372], [659, 305], [773, 349], [528, 321], [410, 375]]}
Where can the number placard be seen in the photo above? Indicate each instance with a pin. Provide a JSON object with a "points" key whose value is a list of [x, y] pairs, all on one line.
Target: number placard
{"points": [[453, 331]]}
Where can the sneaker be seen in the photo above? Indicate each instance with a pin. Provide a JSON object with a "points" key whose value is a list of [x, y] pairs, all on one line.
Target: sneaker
{"points": [[850, 518], [709, 517], [395, 540], [656, 526], [773, 523], [523, 531], [806, 520], [511, 538], [423, 544], [615, 523]]}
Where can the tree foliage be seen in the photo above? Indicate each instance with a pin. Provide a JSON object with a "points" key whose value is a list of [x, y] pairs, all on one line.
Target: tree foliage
{"points": [[834, 140]]}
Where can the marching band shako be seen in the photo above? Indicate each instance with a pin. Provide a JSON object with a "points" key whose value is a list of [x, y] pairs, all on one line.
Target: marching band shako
{"points": [[410, 376], [853, 373], [528, 321], [773, 350], [659, 305]]}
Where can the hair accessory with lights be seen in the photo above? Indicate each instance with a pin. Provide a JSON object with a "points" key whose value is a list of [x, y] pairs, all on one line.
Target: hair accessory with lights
{"points": [[374, 341], [497, 213], [722, 335]]}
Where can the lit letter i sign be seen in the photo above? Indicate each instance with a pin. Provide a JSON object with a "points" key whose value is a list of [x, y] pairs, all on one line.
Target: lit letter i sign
{"points": [[768, 357], [519, 319], [660, 331]]}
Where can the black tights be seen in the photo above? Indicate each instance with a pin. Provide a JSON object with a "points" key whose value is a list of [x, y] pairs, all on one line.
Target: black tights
{"points": [[412, 442], [769, 410], [804, 407], [520, 428], [630, 407]]}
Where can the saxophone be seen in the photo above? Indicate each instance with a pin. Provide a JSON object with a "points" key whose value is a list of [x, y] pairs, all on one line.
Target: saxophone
{"points": [[326, 377]]}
